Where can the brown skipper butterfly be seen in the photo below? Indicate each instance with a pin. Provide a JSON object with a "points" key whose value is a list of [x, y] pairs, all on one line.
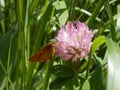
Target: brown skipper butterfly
{"points": [[44, 54]]}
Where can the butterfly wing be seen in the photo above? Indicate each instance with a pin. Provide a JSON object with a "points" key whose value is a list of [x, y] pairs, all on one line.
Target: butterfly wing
{"points": [[44, 54]]}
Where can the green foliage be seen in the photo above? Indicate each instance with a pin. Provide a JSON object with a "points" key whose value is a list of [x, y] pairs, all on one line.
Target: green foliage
{"points": [[96, 43], [96, 81], [7, 57], [28, 25], [59, 83], [113, 65], [62, 71], [86, 85]]}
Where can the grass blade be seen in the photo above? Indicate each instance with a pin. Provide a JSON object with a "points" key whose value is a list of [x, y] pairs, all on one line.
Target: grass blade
{"points": [[113, 79]]}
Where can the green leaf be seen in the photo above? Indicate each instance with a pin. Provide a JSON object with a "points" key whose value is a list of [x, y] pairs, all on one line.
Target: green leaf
{"points": [[58, 83], [60, 5], [86, 85], [62, 71], [63, 17], [96, 79], [62, 12], [113, 79], [96, 43]]}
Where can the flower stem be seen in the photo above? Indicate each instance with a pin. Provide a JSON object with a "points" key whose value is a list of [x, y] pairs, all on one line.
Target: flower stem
{"points": [[88, 66]]}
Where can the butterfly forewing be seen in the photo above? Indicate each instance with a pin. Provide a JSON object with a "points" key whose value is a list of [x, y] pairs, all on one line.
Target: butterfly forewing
{"points": [[44, 54]]}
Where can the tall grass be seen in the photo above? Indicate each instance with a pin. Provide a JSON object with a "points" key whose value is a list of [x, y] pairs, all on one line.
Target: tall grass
{"points": [[26, 26]]}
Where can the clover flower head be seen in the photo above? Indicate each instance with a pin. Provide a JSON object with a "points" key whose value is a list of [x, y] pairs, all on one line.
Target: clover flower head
{"points": [[73, 42]]}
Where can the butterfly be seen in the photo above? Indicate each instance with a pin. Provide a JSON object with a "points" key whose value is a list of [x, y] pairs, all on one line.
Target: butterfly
{"points": [[44, 54]]}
